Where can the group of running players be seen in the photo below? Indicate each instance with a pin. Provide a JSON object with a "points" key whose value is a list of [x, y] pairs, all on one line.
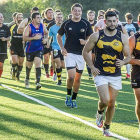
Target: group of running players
{"points": [[104, 45]]}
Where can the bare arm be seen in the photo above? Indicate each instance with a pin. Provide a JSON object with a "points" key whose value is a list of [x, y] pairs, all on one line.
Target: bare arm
{"points": [[125, 31], [132, 47], [5, 38], [22, 25], [45, 35], [96, 29], [88, 48]]}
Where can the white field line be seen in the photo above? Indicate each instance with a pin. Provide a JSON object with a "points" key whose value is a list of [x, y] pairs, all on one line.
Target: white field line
{"points": [[62, 112]]}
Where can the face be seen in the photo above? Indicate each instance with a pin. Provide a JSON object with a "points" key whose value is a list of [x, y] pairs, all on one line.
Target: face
{"points": [[59, 19], [37, 19], [129, 21], [100, 17], [19, 18], [111, 23], [91, 16], [1, 18], [101, 13], [76, 12], [49, 14]]}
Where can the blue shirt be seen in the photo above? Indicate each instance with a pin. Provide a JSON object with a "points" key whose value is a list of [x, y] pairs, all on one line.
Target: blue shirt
{"points": [[53, 32], [129, 28], [35, 45]]}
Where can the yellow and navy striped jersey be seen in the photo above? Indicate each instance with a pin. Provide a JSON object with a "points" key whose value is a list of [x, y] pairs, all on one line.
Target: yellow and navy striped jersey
{"points": [[47, 22], [107, 50]]}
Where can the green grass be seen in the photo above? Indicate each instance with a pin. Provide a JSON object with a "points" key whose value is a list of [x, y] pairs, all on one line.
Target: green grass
{"points": [[23, 119]]}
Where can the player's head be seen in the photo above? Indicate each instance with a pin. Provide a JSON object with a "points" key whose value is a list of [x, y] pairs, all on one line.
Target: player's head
{"points": [[36, 18], [49, 13], [76, 10], [101, 12], [110, 20], [1, 18], [90, 15], [14, 16], [19, 17], [34, 9], [128, 18], [59, 18], [99, 17], [69, 16]]}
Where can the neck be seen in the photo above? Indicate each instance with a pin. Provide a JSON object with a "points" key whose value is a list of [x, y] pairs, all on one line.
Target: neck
{"points": [[36, 24], [76, 20], [91, 22], [49, 19], [110, 33], [58, 24]]}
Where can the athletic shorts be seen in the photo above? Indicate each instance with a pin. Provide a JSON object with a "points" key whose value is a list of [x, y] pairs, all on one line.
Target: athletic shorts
{"points": [[74, 61], [114, 82], [46, 50], [30, 56], [3, 57], [17, 51], [135, 83], [57, 54]]}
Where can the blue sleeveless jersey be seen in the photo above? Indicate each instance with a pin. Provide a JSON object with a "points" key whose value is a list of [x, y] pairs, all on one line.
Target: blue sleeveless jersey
{"points": [[35, 45]]}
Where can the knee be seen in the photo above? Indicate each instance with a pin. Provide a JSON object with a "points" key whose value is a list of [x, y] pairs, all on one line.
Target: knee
{"points": [[71, 78], [77, 80], [104, 102]]}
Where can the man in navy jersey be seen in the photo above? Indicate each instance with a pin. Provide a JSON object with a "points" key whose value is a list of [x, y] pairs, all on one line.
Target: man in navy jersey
{"points": [[77, 31], [109, 43], [4, 37], [36, 35]]}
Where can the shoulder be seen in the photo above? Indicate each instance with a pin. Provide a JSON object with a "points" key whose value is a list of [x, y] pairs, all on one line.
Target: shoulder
{"points": [[85, 21]]}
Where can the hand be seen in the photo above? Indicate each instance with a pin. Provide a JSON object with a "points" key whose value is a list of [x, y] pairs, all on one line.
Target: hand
{"points": [[3, 39], [8, 44], [44, 41], [95, 71], [37, 37], [47, 46], [64, 51], [82, 41], [119, 63]]}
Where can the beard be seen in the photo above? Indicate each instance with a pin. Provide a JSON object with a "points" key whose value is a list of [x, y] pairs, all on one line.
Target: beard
{"points": [[91, 20], [109, 29], [19, 21]]}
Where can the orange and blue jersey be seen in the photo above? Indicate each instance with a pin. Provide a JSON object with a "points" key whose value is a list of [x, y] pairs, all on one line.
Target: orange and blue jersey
{"points": [[35, 45]]}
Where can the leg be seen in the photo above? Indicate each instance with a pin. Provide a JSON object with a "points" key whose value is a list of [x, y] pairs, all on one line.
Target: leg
{"points": [[14, 65], [46, 63], [128, 66], [52, 68], [1, 68]]}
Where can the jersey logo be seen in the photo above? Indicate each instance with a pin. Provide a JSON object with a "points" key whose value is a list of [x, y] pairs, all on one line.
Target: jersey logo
{"points": [[70, 28], [116, 44], [82, 30]]}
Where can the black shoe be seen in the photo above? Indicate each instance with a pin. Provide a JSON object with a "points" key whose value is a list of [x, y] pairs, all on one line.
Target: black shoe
{"points": [[59, 83], [38, 86], [90, 77]]}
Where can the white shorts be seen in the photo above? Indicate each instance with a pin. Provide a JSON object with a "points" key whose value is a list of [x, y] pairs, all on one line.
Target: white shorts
{"points": [[74, 60], [114, 82]]}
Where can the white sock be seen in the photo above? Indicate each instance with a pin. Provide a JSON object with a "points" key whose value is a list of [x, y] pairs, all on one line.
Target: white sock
{"points": [[128, 66]]}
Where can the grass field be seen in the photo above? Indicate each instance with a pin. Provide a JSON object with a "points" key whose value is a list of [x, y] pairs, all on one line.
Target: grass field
{"points": [[24, 119]]}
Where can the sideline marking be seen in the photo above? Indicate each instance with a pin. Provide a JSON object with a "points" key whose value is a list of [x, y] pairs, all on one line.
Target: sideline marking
{"points": [[62, 112]]}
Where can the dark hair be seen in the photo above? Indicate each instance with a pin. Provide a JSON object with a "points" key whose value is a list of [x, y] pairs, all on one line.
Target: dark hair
{"points": [[110, 13], [76, 5], [47, 9], [34, 15], [35, 9], [128, 16], [57, 10], [42, 14], [18, 14], [69, 16], [14, 14]]}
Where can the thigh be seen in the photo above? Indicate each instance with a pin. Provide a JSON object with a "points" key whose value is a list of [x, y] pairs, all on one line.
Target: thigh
{"points": [[80, 62], [137, 94], [58, 62], [15, 58]]}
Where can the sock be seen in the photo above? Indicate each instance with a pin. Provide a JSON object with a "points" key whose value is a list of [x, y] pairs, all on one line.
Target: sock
{"points": [[101, 112], [106, 126], [19, 69], [28, 70], [38, 74], [1, 70], [74, 96], [14, 67], [69, 91], [61, 69], [88, 69], [128, 67], [46, 66], [58, 71]]}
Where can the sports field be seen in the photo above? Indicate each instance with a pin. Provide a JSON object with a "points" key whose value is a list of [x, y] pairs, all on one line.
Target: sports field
{"points": [[24, 119]]}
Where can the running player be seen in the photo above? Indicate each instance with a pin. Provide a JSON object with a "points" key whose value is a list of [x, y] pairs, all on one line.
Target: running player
{"points": [[77, 31], [134, 43], [49, 17], [14, 19], [57, 56], [17, 51], [35, 34], [108, 44], [4, 37]]}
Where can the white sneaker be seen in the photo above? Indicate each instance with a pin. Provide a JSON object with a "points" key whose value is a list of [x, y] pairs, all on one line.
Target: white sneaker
{"points": [[38, 86], [54, 77], [106, 133], [99, 120], [26, 83]]}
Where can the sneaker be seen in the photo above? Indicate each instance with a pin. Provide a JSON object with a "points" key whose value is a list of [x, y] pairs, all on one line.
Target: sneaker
{"points": [[90, 76], [13, 76], [54, 77], [68, 100], [99, 120], [73, 104], [42, 67], [51, 71], [106, 133], [47, 76], [59, 83], [127, 76], [26, 83], [17, 78], [38, 86]]}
